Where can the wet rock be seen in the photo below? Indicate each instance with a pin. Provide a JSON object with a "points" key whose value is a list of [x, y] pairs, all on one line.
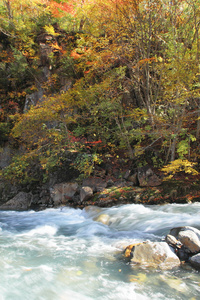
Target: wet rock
{"points": [[175, 231], [140, 278], [154, 254], [63, 192], [147, 177], [172, 241], [195, 261], [22, 201], [189, 237], [178, 229], [86, 193], [103, 218], [190, 240], [175, 283], [180, 250], [92, 211]]}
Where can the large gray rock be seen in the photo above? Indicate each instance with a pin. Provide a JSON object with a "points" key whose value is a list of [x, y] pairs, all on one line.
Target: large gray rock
{"points": [[33, 99], [86, 193], [189, 237], [5, 156], [147, 177], [190, 240], [175, 231], [154, 254], [22, 201], [62, 192], [134, 179], [195, 261]]}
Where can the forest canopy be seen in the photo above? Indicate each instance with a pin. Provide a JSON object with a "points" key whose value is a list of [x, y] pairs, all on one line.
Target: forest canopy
{"points": [[99, 78]]}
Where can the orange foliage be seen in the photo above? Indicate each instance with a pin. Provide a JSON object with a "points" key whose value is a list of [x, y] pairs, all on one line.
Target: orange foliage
{"points": [[59, 9], [75, 55]]}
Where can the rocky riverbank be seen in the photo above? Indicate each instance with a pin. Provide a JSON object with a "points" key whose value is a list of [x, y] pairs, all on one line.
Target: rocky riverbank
{"points": [[142, 187], [181, 245]]}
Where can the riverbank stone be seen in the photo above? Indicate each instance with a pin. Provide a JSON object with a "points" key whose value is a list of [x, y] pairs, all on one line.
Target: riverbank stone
{"points": [[147, 178], [22, 201], [86, 193], [62, 192], [97, 184]]}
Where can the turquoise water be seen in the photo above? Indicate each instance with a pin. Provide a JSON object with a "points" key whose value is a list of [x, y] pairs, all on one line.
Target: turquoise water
{"points": [[61, 254]]}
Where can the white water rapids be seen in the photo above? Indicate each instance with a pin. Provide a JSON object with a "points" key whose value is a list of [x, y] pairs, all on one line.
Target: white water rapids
{"points": [[64, 254]]}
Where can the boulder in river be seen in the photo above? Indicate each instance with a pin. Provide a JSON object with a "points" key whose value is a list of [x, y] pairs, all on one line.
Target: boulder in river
{"points": [[189, 237], [153, 254], [103, 218], [195, 261]]}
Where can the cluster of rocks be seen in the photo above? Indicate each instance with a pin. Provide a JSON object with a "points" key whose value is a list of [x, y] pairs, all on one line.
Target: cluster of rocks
{"points": [[181, 245], [74, 194]]}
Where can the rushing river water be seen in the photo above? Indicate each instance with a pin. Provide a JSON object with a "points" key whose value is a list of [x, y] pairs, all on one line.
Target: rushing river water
{"points": [[64, 254]]}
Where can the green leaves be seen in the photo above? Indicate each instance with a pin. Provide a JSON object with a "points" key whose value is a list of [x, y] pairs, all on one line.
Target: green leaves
{"points": [[85, 163]]}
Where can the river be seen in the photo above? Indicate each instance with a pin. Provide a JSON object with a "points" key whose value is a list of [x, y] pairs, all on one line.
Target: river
{"points": [[64, 254]]}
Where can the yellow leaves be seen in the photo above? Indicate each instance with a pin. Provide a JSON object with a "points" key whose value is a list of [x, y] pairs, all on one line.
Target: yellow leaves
{"points": [[50, 30], [23, 13], [30, 127], [179, 165], [159, 59], [14, 95], [139, 114], [138, 150]]}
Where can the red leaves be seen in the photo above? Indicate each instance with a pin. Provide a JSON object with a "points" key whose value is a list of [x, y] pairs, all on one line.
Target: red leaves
{"points": [[94, 142], [58, 9]]}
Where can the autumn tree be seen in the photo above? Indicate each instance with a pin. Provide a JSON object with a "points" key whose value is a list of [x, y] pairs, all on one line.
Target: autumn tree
{"points": [[134, 88]]}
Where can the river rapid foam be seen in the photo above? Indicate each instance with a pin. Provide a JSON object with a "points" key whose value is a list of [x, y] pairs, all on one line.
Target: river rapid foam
{"points": [[66, 253]]}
